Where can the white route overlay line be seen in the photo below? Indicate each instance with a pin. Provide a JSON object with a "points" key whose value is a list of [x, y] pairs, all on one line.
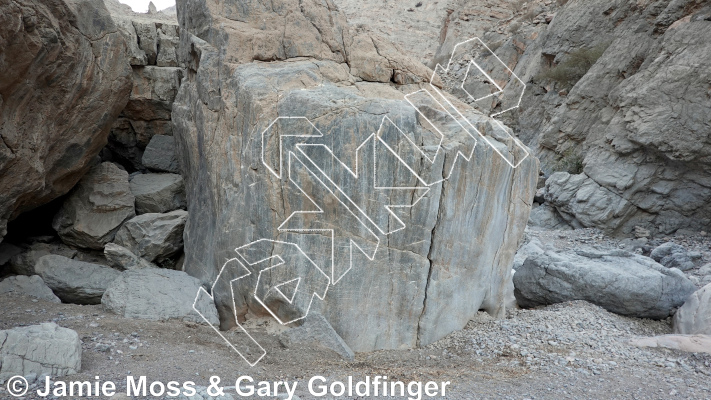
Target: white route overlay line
{"points": [[332, 187]]}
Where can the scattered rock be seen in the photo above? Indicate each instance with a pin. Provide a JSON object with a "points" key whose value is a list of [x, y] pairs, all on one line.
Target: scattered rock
{"points": [[158, 193], [672, 255], [32, 286], [96, 208], [160, 155], [158, 294], [75, 281], [621, 282], [39, 349], [121, 258], [316, 330], [153, 236], [694, 317]]}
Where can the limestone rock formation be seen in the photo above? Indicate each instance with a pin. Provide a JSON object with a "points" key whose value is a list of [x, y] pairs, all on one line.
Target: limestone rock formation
{"points": [[454, 254], [619, 92], [155, 237], [157, 294], [65, 79], [694, 317], [621, 282], [158, 193], [32, 286], [96, 208], [75, 281], [122, 258], [39, 349]]}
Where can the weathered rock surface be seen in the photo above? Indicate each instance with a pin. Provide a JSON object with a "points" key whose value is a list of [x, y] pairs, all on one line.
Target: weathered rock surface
{"points": [[316, 330], [694, 317], [24, 263], [644, 162], [32, 286], [672, 255], [158, 193], [122, 258], [154, 236], [621, 282], [157, 294], [39, 349], [75, 281], [546, 217], [65, 79], [96, 208], [160, 155], [435, 281]]}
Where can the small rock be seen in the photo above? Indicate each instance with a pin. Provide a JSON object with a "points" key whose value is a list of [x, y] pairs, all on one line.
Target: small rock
{"points": [[672, 255], [32, 286]]}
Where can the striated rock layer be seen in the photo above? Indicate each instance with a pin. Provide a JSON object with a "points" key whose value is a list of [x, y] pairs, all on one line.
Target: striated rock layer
{"points": [[65, 78], [452, 256]]}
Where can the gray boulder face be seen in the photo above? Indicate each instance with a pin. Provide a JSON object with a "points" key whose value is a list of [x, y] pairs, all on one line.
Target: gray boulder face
{"points": [[621, 282], [75, 281], [45, 349], [158, 193], [694, 317], [158, 294], [32, 286], [122, 258], [65, 79], [644, 163], [24, 263], [316, 330], [672, 255], [155, 237], [546, 217], [160, 155], [96, 208], [454, 253]]}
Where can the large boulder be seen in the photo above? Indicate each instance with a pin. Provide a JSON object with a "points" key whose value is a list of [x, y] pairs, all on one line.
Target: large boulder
{"points": [[454, 253], [694, 317], [160, 155], [96, 208], [32, 286], [157, 294], [75, 281], [65, 80], [158, 193], [672, 255], [24, 263], [122, 258], [155, 237], [45, 349], [621, 282]]}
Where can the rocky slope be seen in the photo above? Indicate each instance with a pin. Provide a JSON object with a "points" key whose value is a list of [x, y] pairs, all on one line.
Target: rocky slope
{"points": [[64, 81]]}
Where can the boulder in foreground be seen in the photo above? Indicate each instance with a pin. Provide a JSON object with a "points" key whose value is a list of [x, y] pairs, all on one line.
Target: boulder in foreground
{"points": [[39, 349], [158, 294], [621, 282], [75, 281], [694, 317]]}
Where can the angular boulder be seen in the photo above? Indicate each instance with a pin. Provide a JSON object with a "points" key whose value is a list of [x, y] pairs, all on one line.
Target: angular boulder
{"points": [[154, 236], [158, 193], [160, 155], [75, 281], [694, 317], [24, 263], [122, 258], [620, 282], [65, 80], [453, 256], [157, 294], [96, 208], [32, 286], [39, 349]]}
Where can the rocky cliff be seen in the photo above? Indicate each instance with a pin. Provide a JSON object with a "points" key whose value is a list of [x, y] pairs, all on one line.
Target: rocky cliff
{"points": [[65, 79], [254, 71]]}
